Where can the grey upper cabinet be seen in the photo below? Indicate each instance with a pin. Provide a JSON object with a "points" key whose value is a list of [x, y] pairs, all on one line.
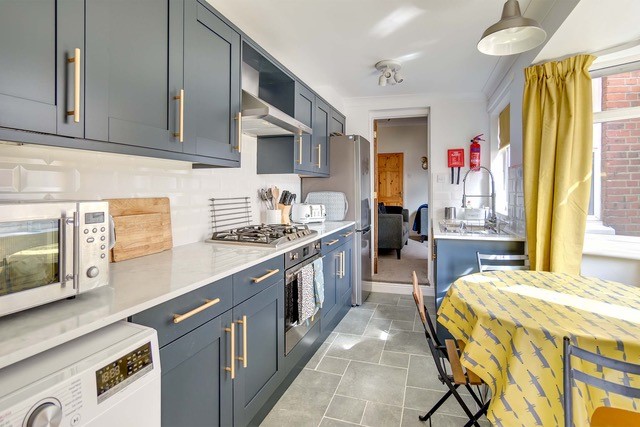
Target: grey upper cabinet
{"points": [[134, 71], [320, 153], [337, 123], [212, 85], [304, 109], [37, 82]]}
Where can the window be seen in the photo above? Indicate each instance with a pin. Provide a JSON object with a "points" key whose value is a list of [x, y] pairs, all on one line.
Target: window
{"points": [[615, 188], [502, 160]]}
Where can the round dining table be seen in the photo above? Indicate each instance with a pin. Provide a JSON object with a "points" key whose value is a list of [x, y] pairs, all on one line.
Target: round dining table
{"points": [[513, 324]]}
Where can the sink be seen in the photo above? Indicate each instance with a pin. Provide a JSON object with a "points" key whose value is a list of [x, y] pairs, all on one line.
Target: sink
{"points": [[468, 228]]}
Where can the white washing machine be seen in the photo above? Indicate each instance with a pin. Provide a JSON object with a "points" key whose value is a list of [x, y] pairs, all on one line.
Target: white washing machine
{"points": [[108, 378]]}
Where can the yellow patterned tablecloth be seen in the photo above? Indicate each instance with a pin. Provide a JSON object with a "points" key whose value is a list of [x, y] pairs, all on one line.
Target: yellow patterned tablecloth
{"points": [[513, 323]]}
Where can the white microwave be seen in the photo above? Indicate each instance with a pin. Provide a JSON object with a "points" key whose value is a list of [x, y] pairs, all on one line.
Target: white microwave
{"points": [[50, 250]]}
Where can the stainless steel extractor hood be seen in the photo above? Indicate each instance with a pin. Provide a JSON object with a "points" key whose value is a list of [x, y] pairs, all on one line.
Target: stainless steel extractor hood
{"points": [[262, 119]]}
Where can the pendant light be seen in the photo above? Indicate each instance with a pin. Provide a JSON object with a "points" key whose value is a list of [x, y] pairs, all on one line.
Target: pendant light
{"points": [[512, 34]]}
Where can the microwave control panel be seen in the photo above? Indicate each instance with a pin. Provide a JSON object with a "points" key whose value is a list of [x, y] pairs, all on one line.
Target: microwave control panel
{"points": [[93, 245]]}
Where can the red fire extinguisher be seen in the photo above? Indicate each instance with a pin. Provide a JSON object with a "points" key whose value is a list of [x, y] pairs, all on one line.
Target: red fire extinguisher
{"points": [[474, 152]]}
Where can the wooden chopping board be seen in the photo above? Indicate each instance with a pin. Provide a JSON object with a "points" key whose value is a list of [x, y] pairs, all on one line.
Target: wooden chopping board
{"points": [[143, 227]]}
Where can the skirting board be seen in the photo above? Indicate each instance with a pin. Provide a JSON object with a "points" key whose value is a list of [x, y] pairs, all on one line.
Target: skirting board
{"points": [[396, 288]]}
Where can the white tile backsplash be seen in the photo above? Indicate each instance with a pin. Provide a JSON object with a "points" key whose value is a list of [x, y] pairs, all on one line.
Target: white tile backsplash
{"points": [[34, 172]]}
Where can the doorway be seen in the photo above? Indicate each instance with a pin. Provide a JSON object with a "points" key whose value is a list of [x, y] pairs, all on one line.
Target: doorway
{"points": [[401, 178]]}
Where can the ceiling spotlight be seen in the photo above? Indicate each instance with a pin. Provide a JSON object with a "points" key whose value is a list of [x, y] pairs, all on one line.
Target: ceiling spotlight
{"points": [[390, 74], [512, 34]]}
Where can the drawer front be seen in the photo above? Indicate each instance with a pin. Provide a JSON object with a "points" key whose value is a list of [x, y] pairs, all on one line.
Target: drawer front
{"points": [[332, 241], [194, 309], [252, 280]]}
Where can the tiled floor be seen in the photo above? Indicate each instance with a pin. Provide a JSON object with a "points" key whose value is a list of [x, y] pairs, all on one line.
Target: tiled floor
{"points": [[373, 370]]}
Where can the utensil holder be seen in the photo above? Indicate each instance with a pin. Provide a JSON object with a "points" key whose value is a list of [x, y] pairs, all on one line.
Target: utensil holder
{"points": [[273, 216], [286, 211]]}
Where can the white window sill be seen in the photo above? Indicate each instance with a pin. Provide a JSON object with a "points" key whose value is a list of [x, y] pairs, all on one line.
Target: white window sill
{"points": [[606, 245]]}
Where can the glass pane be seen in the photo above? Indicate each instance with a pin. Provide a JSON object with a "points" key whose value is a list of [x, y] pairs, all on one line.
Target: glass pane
{"points": [[620, 91], [29, 253]]}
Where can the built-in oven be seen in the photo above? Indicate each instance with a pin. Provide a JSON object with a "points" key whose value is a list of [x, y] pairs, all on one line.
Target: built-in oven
{"points": [[295, 327], [51, 250]]}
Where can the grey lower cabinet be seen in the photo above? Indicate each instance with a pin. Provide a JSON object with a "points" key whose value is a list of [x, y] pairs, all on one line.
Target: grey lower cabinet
{"points": [[196, 388], [337, 268], [37, 80], [212, 85]]}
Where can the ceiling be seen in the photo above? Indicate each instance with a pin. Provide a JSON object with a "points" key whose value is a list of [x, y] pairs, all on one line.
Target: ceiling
{"points": [[335, 43]]}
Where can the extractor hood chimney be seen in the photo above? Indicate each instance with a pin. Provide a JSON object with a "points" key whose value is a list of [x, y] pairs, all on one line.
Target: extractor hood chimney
{"points": [[262, 119]]}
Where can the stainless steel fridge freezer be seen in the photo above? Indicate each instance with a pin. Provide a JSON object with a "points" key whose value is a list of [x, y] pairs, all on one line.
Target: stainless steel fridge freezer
{"points": [[350, 163]]}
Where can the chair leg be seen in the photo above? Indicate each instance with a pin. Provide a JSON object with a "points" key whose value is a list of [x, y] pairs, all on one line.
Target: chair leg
{"points": [[398, 252], [476, 417], [432, 411], [465, 408], [474, 395]]}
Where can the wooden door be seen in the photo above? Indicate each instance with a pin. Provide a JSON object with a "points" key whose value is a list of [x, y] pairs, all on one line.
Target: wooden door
{"points": [[390, 182]]}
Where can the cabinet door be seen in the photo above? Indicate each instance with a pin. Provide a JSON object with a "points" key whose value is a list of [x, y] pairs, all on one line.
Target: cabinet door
{"points": [[329, 269], [264, 343], [196, 388], [212, 84], [344, 276], [37, 38], [337, 124], [304, 108], [321, 137], [132, 75]]}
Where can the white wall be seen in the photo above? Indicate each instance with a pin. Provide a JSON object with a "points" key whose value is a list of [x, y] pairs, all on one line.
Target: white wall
{"points": [[34, 172], [409, 138]]}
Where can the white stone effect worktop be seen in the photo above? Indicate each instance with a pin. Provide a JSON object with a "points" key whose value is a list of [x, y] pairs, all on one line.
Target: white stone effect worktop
{"points": [[135, 285]]}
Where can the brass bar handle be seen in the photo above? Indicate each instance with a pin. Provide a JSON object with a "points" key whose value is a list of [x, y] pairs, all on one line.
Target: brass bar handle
{"points": [[243, 358], [300, 149], [344, 266], [340, 276], [180, 133], [347, 234], [177, 318], [239, 119], [232, 369], [319, 156], [333, 242], [76, 86], [266, 276]]}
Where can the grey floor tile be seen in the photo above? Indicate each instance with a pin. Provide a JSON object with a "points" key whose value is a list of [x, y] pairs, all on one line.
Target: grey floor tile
{"points": [[333, 365], [381, 415], [378, 328], [317, 356], [391, 358], [394, 313], [315, 381], [424, 374], [406, 297], [377, 383], [402, 325], [330, 422], [383, 298], [369, 305], [332, 336], [354, 322], [423, 400], [356, 347], [406, 302], [296, 409], [346, 409], [407, 342], [410, 419]]}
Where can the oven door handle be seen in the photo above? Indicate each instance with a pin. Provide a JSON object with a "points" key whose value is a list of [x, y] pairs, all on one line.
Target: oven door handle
{"points": [[292, 272]]}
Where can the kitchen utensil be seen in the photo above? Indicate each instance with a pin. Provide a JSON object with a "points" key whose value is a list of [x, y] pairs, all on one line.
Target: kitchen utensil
{"points": [[129, 242], [450, 212], [275, 191]]}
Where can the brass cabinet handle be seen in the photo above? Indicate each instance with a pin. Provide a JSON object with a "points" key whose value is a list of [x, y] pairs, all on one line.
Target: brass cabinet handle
{"points": [[76, 86], [177, 318], [239, 119], [347, 234], [319, 155], [333, 242], [340, 271], [243, 358], [266, 276], [300, 149], [232, 369], [180, 133], [344, 273]]}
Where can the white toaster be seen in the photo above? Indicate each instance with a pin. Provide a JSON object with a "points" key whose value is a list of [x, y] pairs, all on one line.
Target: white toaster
{"points": [[305, 213]]}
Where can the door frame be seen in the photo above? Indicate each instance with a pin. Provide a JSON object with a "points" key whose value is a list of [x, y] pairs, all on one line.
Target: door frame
{"points": [[399, 113]]}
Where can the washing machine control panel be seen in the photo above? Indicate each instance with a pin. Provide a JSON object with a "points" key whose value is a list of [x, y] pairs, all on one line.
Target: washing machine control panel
{"points": [[119, 373]]}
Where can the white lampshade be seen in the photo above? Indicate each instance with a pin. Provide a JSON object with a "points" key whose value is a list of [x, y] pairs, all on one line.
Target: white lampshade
{"points": [[512, 34]]}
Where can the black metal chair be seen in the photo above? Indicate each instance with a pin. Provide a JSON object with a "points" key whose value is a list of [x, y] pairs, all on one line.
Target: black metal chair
{"points": [[495, 262], [602, 416], [450, 352]]}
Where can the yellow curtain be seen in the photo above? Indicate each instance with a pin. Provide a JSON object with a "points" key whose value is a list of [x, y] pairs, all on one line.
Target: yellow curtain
{"points": [[505, 127], [557, 118]]}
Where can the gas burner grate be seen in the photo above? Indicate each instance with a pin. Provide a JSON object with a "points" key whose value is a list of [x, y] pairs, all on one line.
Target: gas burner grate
{"points": [[262, 235]]}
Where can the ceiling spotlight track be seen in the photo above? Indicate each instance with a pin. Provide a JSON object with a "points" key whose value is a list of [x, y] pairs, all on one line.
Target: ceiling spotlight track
{"points": [[390, 72]]}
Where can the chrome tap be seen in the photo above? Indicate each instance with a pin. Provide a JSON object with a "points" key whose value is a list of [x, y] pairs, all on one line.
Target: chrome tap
{"points": [[492, 220]]}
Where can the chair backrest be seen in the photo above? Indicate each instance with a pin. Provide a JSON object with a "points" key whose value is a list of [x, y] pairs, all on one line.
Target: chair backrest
{"points": [[427, 324], [493, 262], [572, 374]]}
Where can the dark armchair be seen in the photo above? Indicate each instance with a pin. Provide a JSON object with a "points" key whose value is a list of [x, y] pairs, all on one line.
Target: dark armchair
{"points": [[393, 228]]}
